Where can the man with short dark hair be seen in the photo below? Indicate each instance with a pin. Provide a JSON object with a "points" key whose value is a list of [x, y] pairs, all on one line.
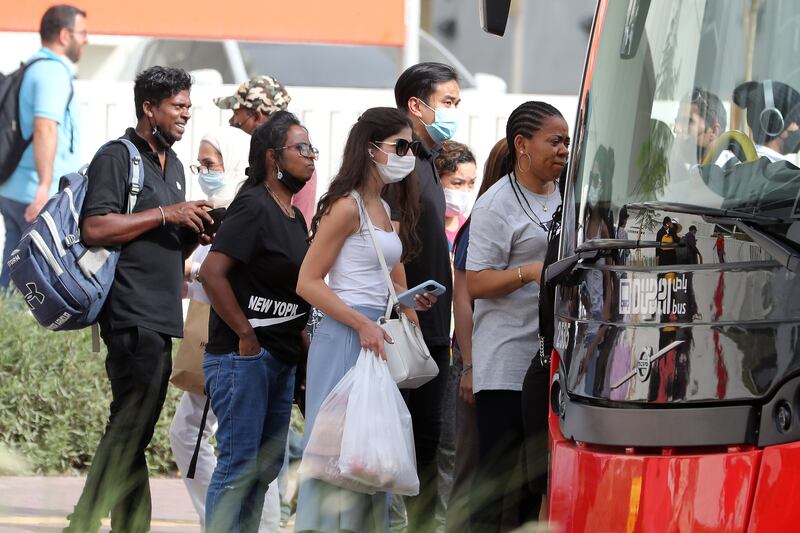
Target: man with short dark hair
{"points": [[48, 114], [700, 121], [429, 94], [693, 254], [666, 255], [143, 310]]}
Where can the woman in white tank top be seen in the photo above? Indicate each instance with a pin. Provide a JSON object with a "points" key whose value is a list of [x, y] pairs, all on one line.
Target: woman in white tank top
{"points": [[378, 155]]}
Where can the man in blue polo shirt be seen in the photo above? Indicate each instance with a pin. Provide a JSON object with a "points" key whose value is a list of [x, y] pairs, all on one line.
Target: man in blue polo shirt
{"points": [[49, 114]]}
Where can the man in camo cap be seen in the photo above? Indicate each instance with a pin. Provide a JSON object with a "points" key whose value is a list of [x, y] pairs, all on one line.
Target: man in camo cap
{"points": [[254, 101]]}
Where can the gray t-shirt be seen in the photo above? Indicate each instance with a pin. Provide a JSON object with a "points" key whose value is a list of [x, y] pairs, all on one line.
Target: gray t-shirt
{"points": [[502, 236]]}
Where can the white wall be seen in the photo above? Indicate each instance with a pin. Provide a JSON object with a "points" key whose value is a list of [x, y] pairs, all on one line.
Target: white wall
{"points": [[107, 109]]}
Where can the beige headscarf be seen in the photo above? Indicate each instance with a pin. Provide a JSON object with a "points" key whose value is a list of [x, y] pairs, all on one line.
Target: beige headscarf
{"points": [[234, 146]]}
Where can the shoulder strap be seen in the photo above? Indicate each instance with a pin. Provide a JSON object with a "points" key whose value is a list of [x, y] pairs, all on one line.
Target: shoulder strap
{"points": [[392, 302], [27, 65], [135, 172]]}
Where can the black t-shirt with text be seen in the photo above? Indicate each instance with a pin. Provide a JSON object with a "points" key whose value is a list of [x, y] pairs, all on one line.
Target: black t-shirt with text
{"points": [[149, 277], [269, 248]]}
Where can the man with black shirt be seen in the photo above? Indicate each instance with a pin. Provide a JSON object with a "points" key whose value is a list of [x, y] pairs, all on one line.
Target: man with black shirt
{"points": [[143, 309], [666, 255], [429, 94]]}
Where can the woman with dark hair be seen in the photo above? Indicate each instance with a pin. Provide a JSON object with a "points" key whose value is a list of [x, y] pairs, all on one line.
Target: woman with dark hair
{"points": [[257, 323], [508, 242], [378, 155]]}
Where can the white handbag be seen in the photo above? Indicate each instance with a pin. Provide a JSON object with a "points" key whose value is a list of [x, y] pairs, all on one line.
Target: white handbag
{"points": [[409, 360]]}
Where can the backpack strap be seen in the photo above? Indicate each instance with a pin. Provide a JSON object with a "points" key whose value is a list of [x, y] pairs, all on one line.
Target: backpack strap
{"points": [[135, 172], [25, 67]]}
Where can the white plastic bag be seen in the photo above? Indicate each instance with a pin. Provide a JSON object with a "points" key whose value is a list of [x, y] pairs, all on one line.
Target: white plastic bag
{"points": [[377, 445], [321, 455]]}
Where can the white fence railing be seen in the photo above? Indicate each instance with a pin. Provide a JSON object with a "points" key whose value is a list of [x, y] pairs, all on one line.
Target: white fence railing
{"points": [[107, 109]]}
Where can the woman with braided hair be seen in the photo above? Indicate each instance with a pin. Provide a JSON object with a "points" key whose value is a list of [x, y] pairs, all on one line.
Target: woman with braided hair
{"points": [[508, 241]]}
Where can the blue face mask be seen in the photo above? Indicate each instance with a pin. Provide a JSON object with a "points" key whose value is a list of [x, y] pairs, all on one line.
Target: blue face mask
{"points": [[212, 181], [445, 123]]}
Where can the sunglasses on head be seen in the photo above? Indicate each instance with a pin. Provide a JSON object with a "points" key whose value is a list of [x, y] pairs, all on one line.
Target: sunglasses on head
{"points": [[402, 146]]}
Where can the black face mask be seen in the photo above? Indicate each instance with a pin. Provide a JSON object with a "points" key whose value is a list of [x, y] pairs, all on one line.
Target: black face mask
{"points": [[792, 142], [293, 183], [163, 139]]}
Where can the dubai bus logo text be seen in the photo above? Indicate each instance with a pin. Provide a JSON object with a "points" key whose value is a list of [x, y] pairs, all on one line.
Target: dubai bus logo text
{"points": [[646, 296]]}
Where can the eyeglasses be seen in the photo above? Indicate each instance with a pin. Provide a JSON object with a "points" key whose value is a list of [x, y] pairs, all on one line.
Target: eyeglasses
{"points": [[305, 149], [201, 169], [402, 146]]}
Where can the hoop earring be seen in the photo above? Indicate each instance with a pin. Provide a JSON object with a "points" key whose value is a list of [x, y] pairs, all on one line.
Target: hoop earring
{"points": [[519, 166]]}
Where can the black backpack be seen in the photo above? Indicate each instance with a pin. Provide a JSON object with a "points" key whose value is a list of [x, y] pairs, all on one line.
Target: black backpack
{"points": [[12, 143]]}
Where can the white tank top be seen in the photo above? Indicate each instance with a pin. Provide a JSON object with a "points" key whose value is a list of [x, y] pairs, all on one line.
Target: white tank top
{"points": [[356, 276]]}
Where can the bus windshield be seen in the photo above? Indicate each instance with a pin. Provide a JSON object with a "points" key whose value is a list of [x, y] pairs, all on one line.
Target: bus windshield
{"points": [[694, 102]]}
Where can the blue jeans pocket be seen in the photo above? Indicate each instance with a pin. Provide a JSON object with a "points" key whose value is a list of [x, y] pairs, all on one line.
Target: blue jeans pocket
{"points": [[261, 353]]}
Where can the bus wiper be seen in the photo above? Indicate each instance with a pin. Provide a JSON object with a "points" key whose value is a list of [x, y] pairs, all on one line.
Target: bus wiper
{"points": [[783, 250], [591, 251]]}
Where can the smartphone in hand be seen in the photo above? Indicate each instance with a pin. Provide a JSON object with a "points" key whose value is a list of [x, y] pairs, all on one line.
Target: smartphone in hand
{"points": [[210, 228], [431, 287]]}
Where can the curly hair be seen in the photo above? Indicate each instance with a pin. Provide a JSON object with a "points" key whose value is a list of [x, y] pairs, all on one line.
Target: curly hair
{"points": [[155, 84], [452, 154]]}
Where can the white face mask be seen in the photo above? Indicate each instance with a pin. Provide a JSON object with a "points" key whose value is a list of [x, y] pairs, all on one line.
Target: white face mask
{"points": [[396, 168], [594, 195], [458, 202]]}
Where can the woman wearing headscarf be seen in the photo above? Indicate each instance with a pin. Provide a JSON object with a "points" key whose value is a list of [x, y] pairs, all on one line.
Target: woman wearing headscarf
{"points": [[222, 161]]}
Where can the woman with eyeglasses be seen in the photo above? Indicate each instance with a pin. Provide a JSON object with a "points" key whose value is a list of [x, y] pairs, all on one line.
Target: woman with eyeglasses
{"points": [[220, 171], [257, 322], [378, 156]]}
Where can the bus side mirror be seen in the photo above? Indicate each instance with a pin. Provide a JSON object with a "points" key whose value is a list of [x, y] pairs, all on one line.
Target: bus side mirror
{"points": [[494, 15]]}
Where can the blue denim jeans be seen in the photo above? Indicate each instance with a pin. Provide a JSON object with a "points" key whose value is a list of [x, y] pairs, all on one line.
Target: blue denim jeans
{"points": [[252, 398], [14, 222]]}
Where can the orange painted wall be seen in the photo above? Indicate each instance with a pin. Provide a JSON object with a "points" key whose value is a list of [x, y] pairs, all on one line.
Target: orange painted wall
{"points": [[327, 21]]}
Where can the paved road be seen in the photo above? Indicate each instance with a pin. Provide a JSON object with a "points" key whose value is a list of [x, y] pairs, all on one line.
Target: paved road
{"points": [[42, 504]]}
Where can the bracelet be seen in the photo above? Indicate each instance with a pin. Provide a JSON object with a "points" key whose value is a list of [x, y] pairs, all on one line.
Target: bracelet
{"points": [[466, 369], [519, 275], [163, 218]]}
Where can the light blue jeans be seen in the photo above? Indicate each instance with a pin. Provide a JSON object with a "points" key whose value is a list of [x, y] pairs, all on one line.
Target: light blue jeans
{"points": [[252, 398]]}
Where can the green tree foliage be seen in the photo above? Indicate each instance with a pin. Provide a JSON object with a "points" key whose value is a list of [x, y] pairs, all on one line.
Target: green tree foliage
{"points": [[54, 397]]}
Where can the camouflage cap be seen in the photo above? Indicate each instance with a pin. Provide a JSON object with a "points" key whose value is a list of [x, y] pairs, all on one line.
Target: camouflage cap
{"points": [[259, 93]]}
